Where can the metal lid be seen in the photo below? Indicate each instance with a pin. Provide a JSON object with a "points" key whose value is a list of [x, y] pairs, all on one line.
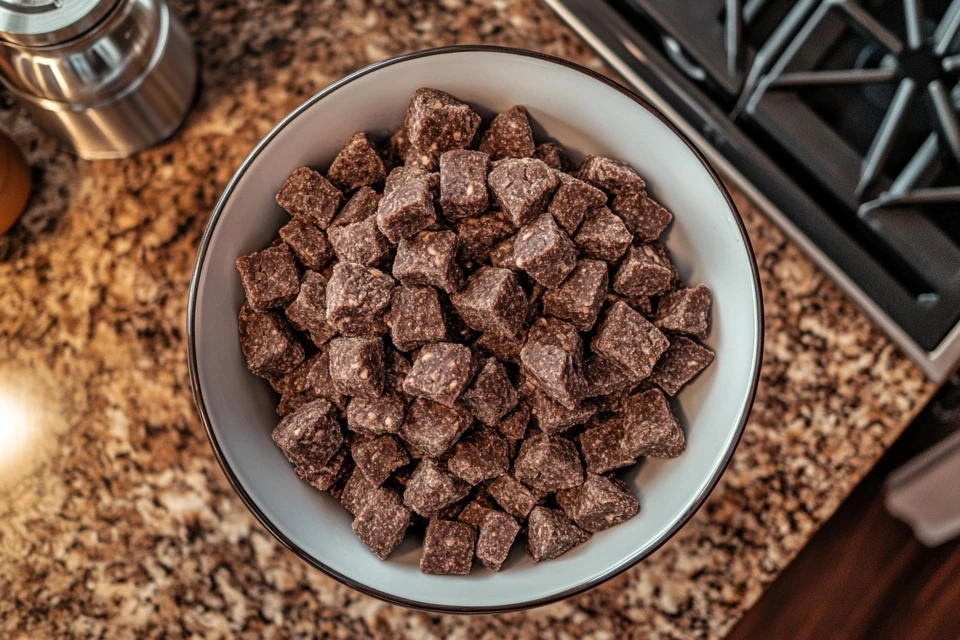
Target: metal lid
{"points": [[36, 23]]}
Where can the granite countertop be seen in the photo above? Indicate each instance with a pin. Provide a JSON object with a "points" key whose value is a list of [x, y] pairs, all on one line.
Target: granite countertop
{"points": [[114, 516]]}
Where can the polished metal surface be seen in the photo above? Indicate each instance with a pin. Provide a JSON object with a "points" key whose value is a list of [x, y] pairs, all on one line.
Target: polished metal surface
{"points": [[121, 86], [44, 22]]}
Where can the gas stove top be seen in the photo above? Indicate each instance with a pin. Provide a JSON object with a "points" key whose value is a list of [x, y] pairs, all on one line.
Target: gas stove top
{"points": [[839, 117]]}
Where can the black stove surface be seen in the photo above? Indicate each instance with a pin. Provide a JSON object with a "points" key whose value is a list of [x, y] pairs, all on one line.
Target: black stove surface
{"points": [[843, 114]]}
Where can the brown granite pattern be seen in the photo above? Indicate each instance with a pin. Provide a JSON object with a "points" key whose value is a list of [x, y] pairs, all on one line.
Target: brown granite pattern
{"points": [[115, 520]]}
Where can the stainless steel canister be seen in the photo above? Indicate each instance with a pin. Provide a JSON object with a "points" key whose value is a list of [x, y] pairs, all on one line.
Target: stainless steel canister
{"points": [[109, 77]]}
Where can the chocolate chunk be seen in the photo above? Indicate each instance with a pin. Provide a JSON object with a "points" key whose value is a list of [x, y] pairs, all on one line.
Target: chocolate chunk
{"points": [[307, 194], [548, 463], [643, 216], [440, 373], [572, 201], [492, 302], [604, 446], [553, 358], [433, 427], [463, 183], [522, 188], [599, 503], [359, 242], [407, 203], [480, 455], [509, 135], [431, 488], [308, 312], [686, 311], [270, 278], [651, 428], [646, 271], [491, 395], [627, 339], [438, 122], [268, 343], [359, 207], [603, 236], [581, 296], [475, 511], [497, 533], [448, 548], [357, 165], [680, 363], [382, 522], [398, 146], [308, 243], [551, 534], [613, 176], [553, 417], [510, 494], [514, 425], [379, 457], [312, 380], [416, 317], [356, 492], [376, 416], [356, 294], [605, 377], [545, 251], [478, 236], [309, 436], [504, 256], [429, 258], [356, 366], [323, 478], [503, 348], [553, 156]]}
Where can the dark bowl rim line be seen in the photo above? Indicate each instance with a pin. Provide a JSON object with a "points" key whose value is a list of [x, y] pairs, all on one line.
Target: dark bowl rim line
{"points": [[198, 392]]}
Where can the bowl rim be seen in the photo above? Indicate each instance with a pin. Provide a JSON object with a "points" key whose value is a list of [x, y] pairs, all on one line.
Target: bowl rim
{"points": [[695, 505]]}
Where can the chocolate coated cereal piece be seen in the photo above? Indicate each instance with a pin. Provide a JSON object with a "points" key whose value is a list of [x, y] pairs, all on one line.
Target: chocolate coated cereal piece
{"points": [[357, 165], [651, 428], [572, 201], [603, 236], [553, 156], [475, 511], [323, 478], [432, 427], [359, 242], [514, 425], [376, 416], [448, 548], [492, 302], [581, 296], [553, 417], [686, 311], [463, 183], [308, 243], [429, 258], [506, 349], [480, 455], [308, 312], [357, 293], [643, 216], [438, 122], [268, 344], [604, 446], [312, 380], [382, 522], [379, 457], [440, 373], [605, 377], [407, 203], [503, 256], [553, 358], [431, 488], [309, 435], [551, 534], [545, 251], [510, 494], [270, 278], [491, 395], [359, 207], [416, 317], [626, 338], [398, 146], [497, 533], [613, 176], [646, 271], [478, 236], [356, 491], [548, 463], [560, 334], [356, 366], [680, 363], [599, 503], [522, 188], [307, 194], [509, 135]]}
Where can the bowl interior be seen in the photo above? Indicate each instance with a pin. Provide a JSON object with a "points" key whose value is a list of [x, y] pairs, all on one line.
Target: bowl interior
{"points": [[584, 115]]}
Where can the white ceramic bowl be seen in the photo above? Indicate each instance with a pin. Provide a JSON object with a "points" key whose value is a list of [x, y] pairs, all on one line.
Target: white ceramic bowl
{"points": [[586, 113]]}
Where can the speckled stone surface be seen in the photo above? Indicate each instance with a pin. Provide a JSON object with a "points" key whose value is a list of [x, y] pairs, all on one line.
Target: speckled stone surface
{"points": [[115, 520]]}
